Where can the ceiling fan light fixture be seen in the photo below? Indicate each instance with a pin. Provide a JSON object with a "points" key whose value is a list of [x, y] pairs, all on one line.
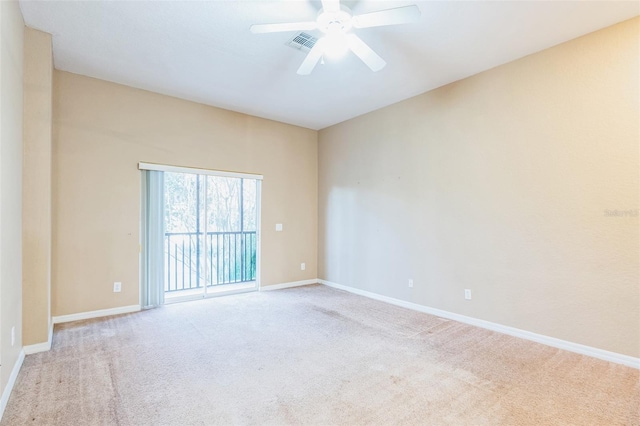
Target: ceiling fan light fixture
{"points": [[335, 45], [329, 22], [335, 21]]}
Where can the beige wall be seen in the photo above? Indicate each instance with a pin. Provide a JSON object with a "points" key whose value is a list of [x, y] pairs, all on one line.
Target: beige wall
{"points": [[102, 130], [11, 91], [36, 190], [499, 184]]}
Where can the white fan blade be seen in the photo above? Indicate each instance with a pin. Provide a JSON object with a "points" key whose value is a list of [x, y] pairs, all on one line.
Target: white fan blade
{"points": [[399, 15], [364, 52], [331, 6], [287, 26], [312, 59]]}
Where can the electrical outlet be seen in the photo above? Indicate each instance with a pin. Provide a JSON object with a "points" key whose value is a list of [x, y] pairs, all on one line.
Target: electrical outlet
{"points": [[303, 266], [467, 294], [117, 287], [410, 283], [13, 336], [278, 227]]}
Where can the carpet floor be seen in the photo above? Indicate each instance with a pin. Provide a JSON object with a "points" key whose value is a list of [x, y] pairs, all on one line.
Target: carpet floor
{"points": [[310, 355]]}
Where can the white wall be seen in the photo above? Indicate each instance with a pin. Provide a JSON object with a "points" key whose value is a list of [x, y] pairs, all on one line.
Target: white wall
{"points": [[11, 91], [36, 191], [500, 183], [102, 130]]}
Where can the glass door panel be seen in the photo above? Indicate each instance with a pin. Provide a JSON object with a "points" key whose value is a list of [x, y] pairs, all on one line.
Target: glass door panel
{"points": [[232, 245], [211, 234]]}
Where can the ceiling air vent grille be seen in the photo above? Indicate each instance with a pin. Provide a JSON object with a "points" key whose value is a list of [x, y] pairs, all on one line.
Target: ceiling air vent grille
{"points": [[302, 41]]}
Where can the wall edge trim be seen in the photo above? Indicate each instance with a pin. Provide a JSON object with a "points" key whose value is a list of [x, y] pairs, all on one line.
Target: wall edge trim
{"points": [[40, 347], [96, 314], [288, 285], [6, 394], [578, 348]]}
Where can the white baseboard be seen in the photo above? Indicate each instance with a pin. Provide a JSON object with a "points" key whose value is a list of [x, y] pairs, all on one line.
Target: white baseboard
{"points": [[539, 338], [40, 347], [96, 314], [10, 383], [288, 285]]}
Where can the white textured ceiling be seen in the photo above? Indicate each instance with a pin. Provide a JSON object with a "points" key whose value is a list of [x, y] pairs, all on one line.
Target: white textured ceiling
{"points": [[203, 50]]}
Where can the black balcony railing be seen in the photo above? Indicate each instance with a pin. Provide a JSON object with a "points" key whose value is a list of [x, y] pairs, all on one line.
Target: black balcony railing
{"points": [[230, 258]]}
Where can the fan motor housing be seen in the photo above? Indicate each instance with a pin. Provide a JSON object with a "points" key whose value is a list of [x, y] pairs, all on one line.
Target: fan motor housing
{"points": [[333, 22]]}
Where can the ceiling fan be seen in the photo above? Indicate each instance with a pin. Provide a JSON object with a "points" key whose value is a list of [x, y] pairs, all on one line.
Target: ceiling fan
{"points": [[335, 21]]}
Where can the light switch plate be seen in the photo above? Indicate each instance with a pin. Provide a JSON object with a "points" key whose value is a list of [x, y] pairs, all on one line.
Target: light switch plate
{"points": [[278, 227]]}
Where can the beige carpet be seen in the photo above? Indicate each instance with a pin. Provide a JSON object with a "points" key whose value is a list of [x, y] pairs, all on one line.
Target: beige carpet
{"points": [[310, 355]]}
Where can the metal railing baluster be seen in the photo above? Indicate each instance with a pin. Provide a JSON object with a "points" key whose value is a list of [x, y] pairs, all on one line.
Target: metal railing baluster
{"points": [[168, 282], [182, 263], [217, 258], [175, 262], [233, 262]]}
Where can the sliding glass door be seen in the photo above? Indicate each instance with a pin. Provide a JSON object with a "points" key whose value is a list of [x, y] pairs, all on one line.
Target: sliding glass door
{"points": [[211, 229], [208, 226], [211, 234]]}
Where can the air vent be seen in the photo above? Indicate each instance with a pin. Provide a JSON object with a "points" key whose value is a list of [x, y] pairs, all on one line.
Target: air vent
{"points": [[302, 41]]}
